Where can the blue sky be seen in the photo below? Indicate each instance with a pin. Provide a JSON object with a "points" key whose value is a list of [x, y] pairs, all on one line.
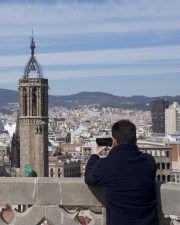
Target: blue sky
{"points": [[122, 47]]}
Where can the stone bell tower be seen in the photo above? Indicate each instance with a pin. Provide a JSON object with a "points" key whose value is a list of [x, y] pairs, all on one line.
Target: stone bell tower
{"points": [[33, 118]]}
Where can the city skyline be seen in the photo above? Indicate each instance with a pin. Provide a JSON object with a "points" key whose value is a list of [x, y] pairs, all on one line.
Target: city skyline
{"points": [[123, 47]]}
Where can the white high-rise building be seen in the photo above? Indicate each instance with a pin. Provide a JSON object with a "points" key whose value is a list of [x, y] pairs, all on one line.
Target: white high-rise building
{"points": [[172, 119]]}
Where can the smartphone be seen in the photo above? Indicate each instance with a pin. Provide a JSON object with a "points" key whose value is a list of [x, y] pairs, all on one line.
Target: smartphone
{"points": [[104, 141]]}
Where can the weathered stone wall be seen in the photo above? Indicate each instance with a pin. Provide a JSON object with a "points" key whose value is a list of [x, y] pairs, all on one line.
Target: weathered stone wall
{"points": [[52, 199]]}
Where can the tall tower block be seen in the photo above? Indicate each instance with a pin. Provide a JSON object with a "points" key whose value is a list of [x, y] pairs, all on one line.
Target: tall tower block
{"points": [[158, 115], [33, 118]]}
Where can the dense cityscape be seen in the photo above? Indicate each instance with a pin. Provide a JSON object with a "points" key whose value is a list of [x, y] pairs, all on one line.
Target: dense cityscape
{"points": [[71, 133]]}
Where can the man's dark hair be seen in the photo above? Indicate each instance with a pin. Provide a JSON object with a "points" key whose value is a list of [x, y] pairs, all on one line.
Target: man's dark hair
{"points": [[124, 132]]}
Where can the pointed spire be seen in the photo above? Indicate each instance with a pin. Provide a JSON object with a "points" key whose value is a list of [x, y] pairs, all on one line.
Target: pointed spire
{"points": [[33, 65], [32, 45]]}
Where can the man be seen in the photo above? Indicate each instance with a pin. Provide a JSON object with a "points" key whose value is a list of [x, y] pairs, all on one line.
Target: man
{"points": [[128, 176]]}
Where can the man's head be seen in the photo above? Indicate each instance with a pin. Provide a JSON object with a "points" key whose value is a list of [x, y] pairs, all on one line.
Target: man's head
{"points": [[124, 132]]}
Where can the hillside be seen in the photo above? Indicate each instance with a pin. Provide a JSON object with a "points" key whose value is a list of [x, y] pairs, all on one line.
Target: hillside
{"points": [[106, 100], [86, 98], [8, 96], [99, 98]]}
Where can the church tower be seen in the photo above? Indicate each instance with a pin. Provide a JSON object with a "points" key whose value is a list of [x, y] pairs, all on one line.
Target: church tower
{"points": [[33, 118]]}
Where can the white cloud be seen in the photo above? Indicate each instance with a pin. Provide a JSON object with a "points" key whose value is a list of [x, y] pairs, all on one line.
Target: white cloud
{"points": [[103, 58], [104, 72], [12, 77], [111, 56], [68, 17], [98, 57]]}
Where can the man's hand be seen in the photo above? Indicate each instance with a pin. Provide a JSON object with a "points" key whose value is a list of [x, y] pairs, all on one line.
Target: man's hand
{"points": [[95, 149]]}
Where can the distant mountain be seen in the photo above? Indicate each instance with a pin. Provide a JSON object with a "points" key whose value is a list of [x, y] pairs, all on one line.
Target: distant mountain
{"points": [[8, 96], [87, 98], [98, 98], [106, 100]]}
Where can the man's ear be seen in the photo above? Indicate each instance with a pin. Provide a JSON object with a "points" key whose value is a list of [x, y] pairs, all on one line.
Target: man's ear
{"points": [[114, 142]]}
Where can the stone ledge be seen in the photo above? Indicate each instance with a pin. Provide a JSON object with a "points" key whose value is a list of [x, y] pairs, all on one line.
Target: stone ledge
{"points": [[170, 199], [48, 191], [73, 191]]}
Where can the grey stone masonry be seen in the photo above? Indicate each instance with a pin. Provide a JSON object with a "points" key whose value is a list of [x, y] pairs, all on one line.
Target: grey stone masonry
{"points": [[33, 126], [57, 201]]}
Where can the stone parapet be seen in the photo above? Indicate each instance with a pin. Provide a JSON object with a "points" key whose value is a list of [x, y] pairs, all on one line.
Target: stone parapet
{"points": [[69, 201]]}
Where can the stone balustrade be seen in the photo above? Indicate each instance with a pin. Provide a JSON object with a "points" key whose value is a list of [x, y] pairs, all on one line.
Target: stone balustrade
{"points": [[59, 201]]}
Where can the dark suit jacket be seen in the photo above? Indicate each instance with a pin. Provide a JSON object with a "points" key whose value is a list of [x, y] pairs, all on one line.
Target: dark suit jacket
{"points": [[128, 176]]}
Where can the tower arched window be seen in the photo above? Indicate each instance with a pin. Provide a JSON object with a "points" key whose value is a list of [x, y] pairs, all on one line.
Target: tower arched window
{"points": [[40, 129], [34, 102], [43, 102], [24, 102]]}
